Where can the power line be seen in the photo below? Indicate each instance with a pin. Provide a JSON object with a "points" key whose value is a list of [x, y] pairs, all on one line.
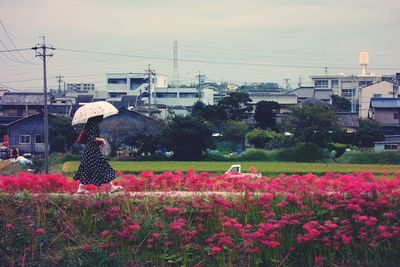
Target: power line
{"points": [[260, 64], [12, 43], [19, 81], [15, 50]]}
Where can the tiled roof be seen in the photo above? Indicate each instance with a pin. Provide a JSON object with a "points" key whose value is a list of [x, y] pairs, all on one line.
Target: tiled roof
{"points": [[322, 94], [13, 98], [348, 119], [303, 92], [385, 102]]}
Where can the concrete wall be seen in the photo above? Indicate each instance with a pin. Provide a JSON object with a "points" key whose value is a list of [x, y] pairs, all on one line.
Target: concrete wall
{"points": [[383, 88]]}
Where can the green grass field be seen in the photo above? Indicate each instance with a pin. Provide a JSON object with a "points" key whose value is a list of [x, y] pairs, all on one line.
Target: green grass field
{"points": [[267, 168]]}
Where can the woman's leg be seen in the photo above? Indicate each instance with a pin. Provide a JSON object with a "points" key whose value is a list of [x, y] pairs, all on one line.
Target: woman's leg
{"points": [[81, 189], [114, 188]]}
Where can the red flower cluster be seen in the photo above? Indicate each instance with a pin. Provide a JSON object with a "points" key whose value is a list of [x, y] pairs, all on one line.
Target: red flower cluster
{"points": [[334, 217]]}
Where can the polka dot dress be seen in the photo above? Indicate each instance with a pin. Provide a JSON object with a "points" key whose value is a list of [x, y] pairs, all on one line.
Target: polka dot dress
{"points": [[94, 168]]}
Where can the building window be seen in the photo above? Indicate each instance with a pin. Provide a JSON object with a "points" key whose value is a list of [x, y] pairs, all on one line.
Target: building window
{"points": [[117, 81], [166, 95], [377, 95], [396, 115], [116, 95], [321, 84], [348, 92], [188, 95], [24, 139], [390, 147], [335, 83], [364, 83], [13, 112], [39, 138]]}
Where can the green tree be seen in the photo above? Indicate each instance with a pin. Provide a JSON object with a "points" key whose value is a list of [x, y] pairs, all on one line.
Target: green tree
{"points": [[188, 137], [215, 115], [341, 104], [314, 123], [237, 105], [260, 137], [265, 114], [141, 143], [235, 132], [61, 134], [368, 132]]}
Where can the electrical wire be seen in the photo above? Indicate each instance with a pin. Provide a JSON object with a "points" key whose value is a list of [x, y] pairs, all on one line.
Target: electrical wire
{"points": [[12, 43], [216, 62]]}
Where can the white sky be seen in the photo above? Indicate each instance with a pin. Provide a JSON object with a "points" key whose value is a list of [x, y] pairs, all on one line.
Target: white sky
{"points": [[290, 39]]}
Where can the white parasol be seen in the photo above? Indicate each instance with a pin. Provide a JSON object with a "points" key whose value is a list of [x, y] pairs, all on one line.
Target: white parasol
{"points": [[93, 109]]}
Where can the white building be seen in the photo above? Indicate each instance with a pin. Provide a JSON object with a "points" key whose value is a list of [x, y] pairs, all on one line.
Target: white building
{"points": [[182, 96], [378, 90], [285, 101], [350, 86], [119, 84], [80, 87]]}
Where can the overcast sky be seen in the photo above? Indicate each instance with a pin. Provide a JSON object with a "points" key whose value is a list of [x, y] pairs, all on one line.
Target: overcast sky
{"points": [[228, 40]]}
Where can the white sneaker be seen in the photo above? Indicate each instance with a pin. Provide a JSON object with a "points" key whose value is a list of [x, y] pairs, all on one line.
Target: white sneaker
{"points": [[115, 188], [82, 191]]}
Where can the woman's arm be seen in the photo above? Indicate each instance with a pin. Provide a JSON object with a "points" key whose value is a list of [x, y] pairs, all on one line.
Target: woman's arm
{"points": [[101, 140]]}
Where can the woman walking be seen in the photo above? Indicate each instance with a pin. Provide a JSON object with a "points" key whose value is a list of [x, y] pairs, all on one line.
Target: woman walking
{"points": [[94, 168]]}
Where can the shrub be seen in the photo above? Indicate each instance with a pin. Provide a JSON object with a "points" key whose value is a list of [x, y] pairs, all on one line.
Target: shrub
{"points": [[303, 153], [254, 154], [281, 141], [339, 148], [259, 137]]}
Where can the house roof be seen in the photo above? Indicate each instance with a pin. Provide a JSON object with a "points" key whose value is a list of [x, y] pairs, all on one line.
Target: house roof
{"points": [[313, 101], [26, 118], [310, 92], [387, 102], [322, 94], [30, 117], [391, 138], [18, 98], [126, 101], [84, 98], [348, 119], [303, 92]]}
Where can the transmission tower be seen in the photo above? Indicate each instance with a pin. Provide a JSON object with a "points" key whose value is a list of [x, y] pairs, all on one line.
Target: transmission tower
{"points": [[176, 72], [59, 80], [202, 78], [287, 85]]}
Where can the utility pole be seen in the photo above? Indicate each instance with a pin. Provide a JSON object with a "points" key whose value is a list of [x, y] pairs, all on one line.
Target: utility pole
{"points": [[202, 78], [59, 77], [41, 52], [150, 74]]}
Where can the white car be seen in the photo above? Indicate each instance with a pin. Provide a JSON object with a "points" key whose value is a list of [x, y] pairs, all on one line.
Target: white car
{"points": [[235, 171]]}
